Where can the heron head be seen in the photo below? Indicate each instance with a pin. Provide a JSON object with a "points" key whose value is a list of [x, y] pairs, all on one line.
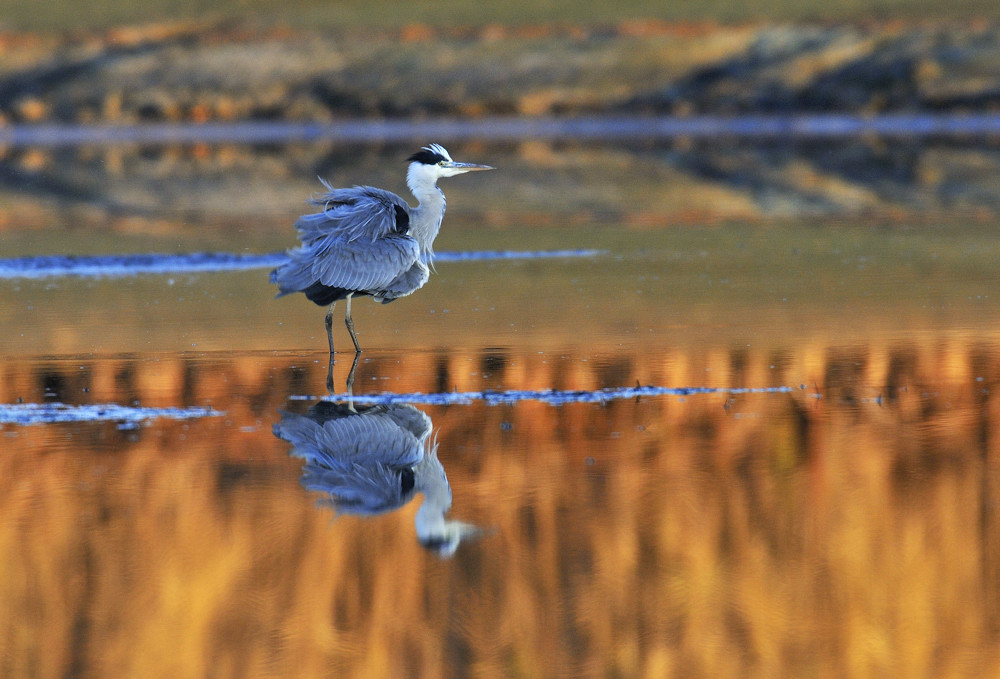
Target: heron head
{"points": [[436, 162]]}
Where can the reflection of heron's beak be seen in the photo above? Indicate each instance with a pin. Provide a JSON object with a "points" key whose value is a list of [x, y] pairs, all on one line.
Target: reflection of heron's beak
{"points": [[467, 167], [445, 542], [468, 531]]}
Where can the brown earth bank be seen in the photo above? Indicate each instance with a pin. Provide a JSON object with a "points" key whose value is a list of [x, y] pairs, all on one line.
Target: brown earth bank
{"points": [[194, 72]]}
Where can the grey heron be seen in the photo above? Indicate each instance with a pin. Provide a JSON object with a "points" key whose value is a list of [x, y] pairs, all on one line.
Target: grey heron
{"points": [[368, 241]]}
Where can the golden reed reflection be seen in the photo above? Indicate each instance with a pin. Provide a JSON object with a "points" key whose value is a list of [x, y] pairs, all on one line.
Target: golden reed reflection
{"points": [[847, 529]]}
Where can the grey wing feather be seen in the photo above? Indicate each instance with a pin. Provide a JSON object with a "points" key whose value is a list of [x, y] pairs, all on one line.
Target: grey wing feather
{"points": [[364, 266], [357, 242], [410, 280], [358, 213]]}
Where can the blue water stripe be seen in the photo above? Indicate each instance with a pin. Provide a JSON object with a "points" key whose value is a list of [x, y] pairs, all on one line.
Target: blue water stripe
{"points": [[50, 413], [110, 266], [550, 396]]}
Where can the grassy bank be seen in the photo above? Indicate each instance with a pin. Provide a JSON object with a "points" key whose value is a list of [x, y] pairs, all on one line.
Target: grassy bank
{"points": [[19, 15]]}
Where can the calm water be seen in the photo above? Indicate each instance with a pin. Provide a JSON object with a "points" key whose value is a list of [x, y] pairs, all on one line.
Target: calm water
{"points": [[754, 437]]}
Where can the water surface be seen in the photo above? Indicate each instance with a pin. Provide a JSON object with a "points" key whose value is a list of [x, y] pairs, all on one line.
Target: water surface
{"points": [[720, 447]]}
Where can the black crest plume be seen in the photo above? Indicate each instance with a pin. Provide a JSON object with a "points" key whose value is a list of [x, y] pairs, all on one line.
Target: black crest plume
{"points": [[427, 157]]}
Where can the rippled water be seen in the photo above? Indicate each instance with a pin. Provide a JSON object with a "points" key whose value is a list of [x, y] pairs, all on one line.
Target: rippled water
{"points": [[712, 446]]}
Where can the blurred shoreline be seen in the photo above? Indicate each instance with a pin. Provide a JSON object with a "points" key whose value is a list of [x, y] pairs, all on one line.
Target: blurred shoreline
{"points": [[332, 91], [132, 188], [194, 73]]}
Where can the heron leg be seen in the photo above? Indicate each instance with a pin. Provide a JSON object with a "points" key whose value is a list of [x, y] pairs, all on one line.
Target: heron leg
{"points": [[329, 327], [349, 322], [329, 337]]}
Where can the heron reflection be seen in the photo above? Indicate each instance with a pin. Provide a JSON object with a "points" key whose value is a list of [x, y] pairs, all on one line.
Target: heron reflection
{"points": [[375, 459]]}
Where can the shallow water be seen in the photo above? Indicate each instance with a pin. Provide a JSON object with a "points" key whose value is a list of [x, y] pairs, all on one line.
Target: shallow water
{"points": [[730, 447]]}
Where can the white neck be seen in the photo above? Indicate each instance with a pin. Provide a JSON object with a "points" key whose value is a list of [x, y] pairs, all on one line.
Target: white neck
{"points": [[425, 219]]}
